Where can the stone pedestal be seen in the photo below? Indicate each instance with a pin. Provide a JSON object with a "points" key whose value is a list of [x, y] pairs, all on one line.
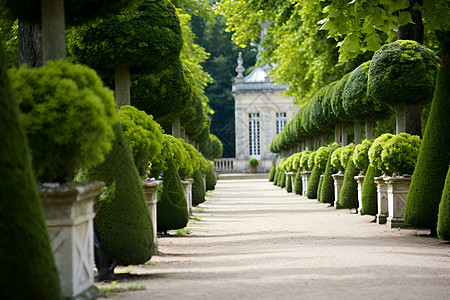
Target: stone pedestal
{"points": [[187, 188], [305, 177], [151, 199], [291, 176], [359, 180], [397, 191], [204, 181], [382, 199], [338, 182], [69, 214]]}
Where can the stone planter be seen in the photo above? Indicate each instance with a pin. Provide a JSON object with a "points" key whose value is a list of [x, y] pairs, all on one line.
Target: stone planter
{"points": [[69, 214], [382, 199], [291, 176], [151, 199], [204, 181], [397, 191], [359, 180], [338, 182], [252, 169], [187, 188], [305, 177]]}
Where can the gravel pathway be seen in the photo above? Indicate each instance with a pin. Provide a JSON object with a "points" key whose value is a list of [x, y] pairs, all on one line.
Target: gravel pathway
{"points": [[255, 241]]}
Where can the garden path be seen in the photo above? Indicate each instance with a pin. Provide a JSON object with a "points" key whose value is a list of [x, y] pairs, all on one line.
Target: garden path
{"points": [[255, 241]]}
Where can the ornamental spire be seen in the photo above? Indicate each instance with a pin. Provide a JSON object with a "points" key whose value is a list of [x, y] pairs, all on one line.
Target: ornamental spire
{"points": [[240, 68]]}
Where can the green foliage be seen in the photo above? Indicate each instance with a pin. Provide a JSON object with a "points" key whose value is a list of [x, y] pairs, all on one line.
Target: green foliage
{"points": [[321, 158], [296, 160], [298, 188], [253, 162], [215, 147], [337, 102], [361, 155], [347, 153], [275, 177], [9, 30], [148, 37], [402, 72], [272, 173], [427, 182], [336, 159], [288, 184], [375, 152], [210, 178], [143, 134], [400, 153], [348, 198], [443, 225], [327, 189], [319, 188], [311, 159], [198, 189], [172, 211], [123, 223], [283, 179], [67, 114], [25, 254], [313, 183], [369, 192]]}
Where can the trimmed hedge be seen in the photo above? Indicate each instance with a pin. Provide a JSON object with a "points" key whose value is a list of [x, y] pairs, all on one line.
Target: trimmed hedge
{"points": [[427, 183], [272, 174], [283, 179], [443, 228], [210, 179], [288, 184], [123, 223], [313, 183], [172, 211], [348, 198], [298, 188], [327, 189], [369, 192], [198, 189], [26, 259], [276, 176], [319, 187], [361, 155]]}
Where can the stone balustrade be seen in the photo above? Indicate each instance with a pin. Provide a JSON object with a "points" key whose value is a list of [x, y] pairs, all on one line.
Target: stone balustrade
{"points": [[224, 165]]}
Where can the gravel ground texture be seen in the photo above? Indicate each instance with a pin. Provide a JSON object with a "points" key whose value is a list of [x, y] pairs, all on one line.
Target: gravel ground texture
{"points": [[253, 240]]}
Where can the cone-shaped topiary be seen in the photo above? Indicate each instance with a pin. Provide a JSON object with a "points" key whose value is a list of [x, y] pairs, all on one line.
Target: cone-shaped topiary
{"points": [[298, 188], [348, 198], [275, 176], [26, 257], [313, 183], [172, 206], [288, 184], [198, 189], [427, 183], [272, 174], [327, 190], [283, 179], [122, 224], [210, 179], [369, 192], [443, 228], [319, 188]]}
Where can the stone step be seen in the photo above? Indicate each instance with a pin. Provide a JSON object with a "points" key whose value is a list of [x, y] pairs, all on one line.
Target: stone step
{"points": [[233, 176]]}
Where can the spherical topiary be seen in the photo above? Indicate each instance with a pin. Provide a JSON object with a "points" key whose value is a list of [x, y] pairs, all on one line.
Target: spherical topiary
{"points": [[321, 158], [336, 159], [369, 192], [272, 173], [327, 189], [304, 160], [348, 198], [253, 162], [443, 225], [346, 154], [402, 72], [25, 254], [143, 134], [428, 179], [123, 223], [375, 152], [172, 206], [296, 160], [400, 153], [361, 155], [67, 114], [311, 159], [198, 188]]}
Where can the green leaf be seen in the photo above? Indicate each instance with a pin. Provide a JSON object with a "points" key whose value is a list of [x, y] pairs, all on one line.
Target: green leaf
{"points": [[373, 42], [404, 18]]}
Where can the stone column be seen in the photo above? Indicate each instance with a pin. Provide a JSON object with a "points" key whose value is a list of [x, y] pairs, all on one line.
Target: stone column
{"points": [[338, 182], [69, 214], [337, 133], [369, 128], [360, 180], [400, 122], [151, 199], [344, 135], [176, 128], [357, 131], [382, 199], [305, 177], [397, 191], [187, 187], [122, 85]]}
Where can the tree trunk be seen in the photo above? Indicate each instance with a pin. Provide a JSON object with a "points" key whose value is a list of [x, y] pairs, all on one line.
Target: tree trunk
{"points": [[369, 128], [357, 130], [53, 30], [30, 45], [122, 85], [344, 135], [415, 32], [176, 128], [183, 134], [337, 133], [400, 122], [323, 139]]}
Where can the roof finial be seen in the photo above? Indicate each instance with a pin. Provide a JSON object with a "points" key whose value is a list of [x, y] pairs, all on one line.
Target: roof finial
{"points": [[240, 68]]}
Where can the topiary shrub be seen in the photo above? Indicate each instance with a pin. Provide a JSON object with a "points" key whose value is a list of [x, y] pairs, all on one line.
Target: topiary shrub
{"points": [[319, 187], [26, 257], [346, 154], [348, 198], [298, 188], [400, 153], [320, 160], [443, 225], [311, 160], [276, 176], [210, 178], [253, 162], [198, 188], [336, 159], [288, 184], [123, 223], [272, 173], [369, 192], [361, 155], [327, 189], [375, 152], [304, 160], [172, 211], [75, 130], [282, 178], [427, 183]]}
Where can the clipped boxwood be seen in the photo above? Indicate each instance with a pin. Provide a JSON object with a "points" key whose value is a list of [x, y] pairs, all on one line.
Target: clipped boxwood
{"points": [[75, 130], [400, 153], [298, 188], [282, 178], [26, 257], [375, 152], [304, 160], [336, 159], [172, 211], [253, 162], [361, 155], [327, 189], [313, 183], [443, 225], [210, 179], [272, 173], [288, 184], [198, 188], [347, 154], [123, 223], [348, 198], [369, 192], [276, 175], [311, 160]]}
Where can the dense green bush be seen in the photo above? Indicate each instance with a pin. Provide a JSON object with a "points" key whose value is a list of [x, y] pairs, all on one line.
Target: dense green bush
{"points": [[319, 187], [427, 183], [348, 198], [123, 223], [143, 134], [283, 178], [327, 189], [67, 114], [375, 152], [210, 178], [198, 188], [369, 192], [311, 160], [321, 158], [276, 175], [400, 153], [288, 184], [304, 160], [313, 183], [443, 225], [296, 160], [402, 72], [272, 173], [361, 155], [26, 258], [346, 154], [298, 188], [320, 161], [172, 211], [336, 159], [253, 162]]}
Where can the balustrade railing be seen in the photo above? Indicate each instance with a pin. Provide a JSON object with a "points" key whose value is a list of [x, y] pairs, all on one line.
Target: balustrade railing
{"points": [[224, 164]]}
